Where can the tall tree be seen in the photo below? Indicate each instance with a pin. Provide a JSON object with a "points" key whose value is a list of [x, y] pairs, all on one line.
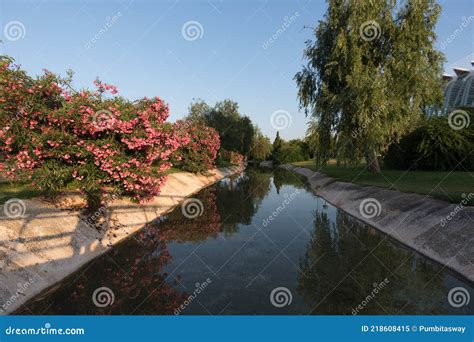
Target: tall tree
{"points": [[197, 110], [372, 70], [312, 137], [277, 146], [261, 146], [235, 130]]}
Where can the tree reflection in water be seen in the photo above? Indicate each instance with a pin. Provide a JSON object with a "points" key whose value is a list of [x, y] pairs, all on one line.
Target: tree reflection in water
{"points": [[240, 198], [341, 263], [134, 270], [330, 266]]}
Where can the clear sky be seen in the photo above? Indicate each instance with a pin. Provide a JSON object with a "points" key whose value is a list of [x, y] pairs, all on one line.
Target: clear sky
{"points": [[140, 47]]}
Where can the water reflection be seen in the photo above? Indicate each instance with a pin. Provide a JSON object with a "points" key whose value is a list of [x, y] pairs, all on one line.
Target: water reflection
{"points": [[327, 260], [353, 257], [240, 197]]}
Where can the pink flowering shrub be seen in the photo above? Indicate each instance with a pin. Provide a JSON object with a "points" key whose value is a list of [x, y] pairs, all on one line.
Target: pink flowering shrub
{"points": [[232, 157], [55, 136], [199, 146]]}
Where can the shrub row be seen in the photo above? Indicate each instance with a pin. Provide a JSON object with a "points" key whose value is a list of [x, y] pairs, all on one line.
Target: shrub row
{"points": [[54, 136], [435, 145]]}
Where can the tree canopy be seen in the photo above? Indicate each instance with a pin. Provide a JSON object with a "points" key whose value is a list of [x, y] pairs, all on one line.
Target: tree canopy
{"points": [[371, 73], [235, 130], [261, 147]]}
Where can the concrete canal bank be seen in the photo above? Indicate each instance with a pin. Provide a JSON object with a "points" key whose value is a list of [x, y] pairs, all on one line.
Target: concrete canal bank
{"points": [[439, 230], [46, 244]]}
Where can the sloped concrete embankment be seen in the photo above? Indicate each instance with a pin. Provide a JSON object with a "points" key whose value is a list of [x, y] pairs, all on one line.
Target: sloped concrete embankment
{"points": [[437, 229], [47, 244]]}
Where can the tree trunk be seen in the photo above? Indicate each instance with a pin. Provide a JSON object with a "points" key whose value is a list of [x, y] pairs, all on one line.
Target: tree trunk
{"points": [[94, 201], [371, 160]]}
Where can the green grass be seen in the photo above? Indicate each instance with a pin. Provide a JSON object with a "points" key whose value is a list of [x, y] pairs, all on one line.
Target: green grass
{"points": [[16, 190], [10, 190], [172, 170], [224, 163], [449, 186]]}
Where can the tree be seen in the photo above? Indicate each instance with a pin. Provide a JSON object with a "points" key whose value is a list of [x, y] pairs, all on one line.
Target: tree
{"points": [[312, 137], [372, 71], [261, 146], [293, 150], [277, 145], [197, 111], [235, 130]]}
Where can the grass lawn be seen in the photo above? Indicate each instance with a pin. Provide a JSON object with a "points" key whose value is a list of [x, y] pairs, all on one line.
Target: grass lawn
{"points": [[16, 190], [448, 186]]}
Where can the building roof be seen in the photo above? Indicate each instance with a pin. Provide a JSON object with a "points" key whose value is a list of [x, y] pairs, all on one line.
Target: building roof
{"points": [[459, 91]]}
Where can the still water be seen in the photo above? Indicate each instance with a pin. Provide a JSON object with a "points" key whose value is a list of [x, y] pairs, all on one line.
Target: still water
{"points": [[309, 258]]}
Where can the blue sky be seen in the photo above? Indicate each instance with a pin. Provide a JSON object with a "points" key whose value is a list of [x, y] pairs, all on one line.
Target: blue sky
{"points": [[144, 53]]}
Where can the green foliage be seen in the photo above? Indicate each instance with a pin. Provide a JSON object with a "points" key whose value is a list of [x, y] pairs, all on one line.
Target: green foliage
{"points": [[261, 147], [289, 151], [235, 130], [277, 145], [197, 111], [365, 89], [312, 137], [433, 146], [294, 150]]}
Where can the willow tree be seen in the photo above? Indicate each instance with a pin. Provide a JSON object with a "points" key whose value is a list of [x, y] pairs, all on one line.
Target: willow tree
{"points": [[371, 72], [261, 147]]}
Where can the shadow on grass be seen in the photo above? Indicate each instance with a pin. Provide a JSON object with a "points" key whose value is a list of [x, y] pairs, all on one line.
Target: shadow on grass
{"points": [[445, 185]]}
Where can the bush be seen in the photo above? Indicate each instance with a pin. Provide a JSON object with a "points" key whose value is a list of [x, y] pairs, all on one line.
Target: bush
{"points": [[54, 137], [231, 157], [199, 146], [433, 146], [293, 150]]}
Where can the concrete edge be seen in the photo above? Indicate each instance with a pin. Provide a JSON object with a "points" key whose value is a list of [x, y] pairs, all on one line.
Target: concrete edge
{"points": [[417, 221], [47, 244]]}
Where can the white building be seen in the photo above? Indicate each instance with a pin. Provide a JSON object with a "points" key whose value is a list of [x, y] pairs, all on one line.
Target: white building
{"points": [[459, 91]]}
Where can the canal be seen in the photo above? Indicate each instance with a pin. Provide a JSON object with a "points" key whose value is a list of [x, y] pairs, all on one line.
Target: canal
{"points": [[256, 243]]}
